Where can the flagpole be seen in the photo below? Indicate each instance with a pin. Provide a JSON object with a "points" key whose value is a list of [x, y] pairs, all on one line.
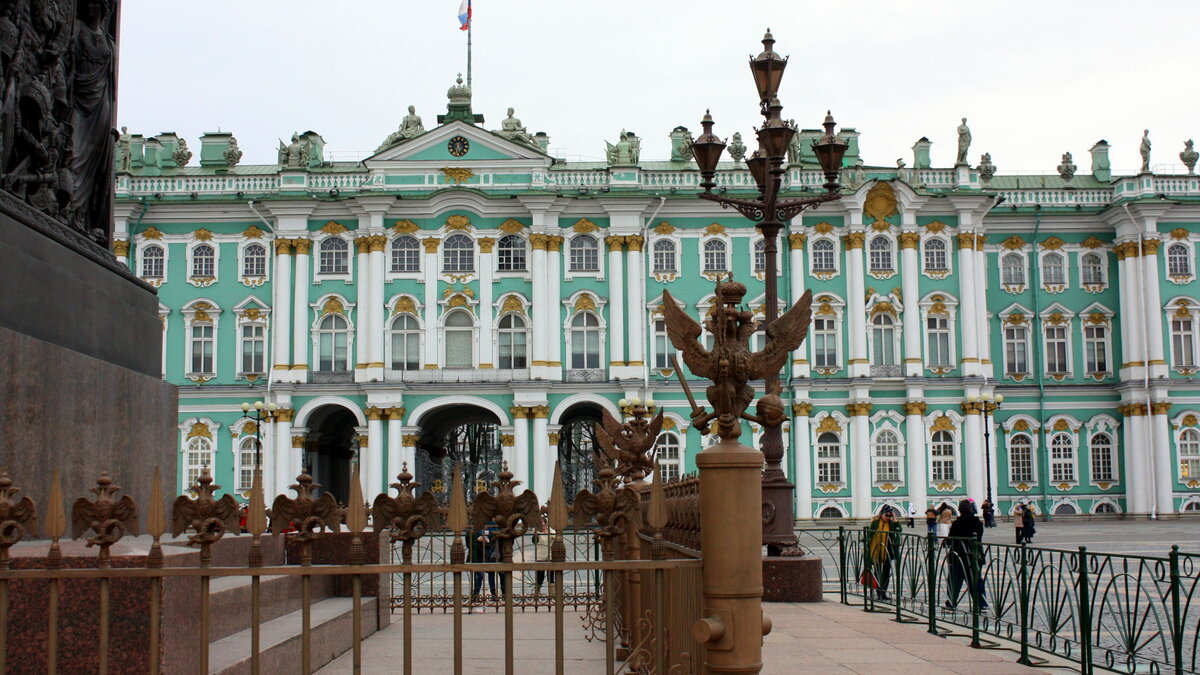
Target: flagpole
{"points": [[470, 25]]}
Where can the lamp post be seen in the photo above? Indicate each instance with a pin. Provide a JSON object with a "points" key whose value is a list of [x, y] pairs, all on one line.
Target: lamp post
{"points": [[988, 404], [767, 167], [259, 417]]}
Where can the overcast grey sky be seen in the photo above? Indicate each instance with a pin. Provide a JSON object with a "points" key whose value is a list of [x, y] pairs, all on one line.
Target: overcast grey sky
{"points": [[1034, 79]]}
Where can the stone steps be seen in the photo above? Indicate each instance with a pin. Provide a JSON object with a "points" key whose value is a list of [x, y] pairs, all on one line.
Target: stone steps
{"points": [[229, 600]]}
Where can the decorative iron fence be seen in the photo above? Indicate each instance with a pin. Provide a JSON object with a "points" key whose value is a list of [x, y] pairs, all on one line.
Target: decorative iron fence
{"points": [[1102, 611]]}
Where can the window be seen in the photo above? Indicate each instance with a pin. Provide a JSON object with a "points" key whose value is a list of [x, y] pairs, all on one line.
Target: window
{"points": [[825, 347], [1189, 454], [669, 456], [585, 254], [334, 257], [830, 512], [1062, 458], [1016, 350], [1095, 347], [202, 348], [1102, 457], [510, 254], [887, 457], [935, 256], [829, 458], [1104, 507], [881, 254], [760, 256], [663, 351], [714, 256], [1092, 272], [458, 254], [513, 338], [1012, 270], [1056, 350], [153, 262], [199, 456], [406, 255], [460, 340], [249, 457], [585, 341], [1020, 458], [405, 342], [664, 256], [254, 347], [1183, 341], [822, 256], [254, 261], [333, 343], [1053, 271], [937, 332], [942, 453], [1179, 262], [204, 262], [883, 340]]}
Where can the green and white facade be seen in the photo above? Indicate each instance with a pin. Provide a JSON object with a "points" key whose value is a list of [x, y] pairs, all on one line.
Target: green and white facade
{"points": [[419, 288]]}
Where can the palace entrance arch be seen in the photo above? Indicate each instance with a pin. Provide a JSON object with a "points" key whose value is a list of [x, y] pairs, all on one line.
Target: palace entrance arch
{"points": [[331, 449], [458, 433], [577, 447]]}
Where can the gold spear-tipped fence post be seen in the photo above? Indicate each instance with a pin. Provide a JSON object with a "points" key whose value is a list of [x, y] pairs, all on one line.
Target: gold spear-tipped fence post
{"points": [[156, 526], [456, 519], [356, 521], [56, 526], [558, 553], [256, 525]]}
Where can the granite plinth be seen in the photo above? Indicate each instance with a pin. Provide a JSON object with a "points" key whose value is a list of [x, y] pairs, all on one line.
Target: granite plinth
{"points": [[333, 548], [792, 579]]}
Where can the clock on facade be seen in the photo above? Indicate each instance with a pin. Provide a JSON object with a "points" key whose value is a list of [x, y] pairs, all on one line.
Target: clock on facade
{"points": [[458, 146]]}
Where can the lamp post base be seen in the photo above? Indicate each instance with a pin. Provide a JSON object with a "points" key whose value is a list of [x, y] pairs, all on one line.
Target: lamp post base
{"points": [[778, 534]]}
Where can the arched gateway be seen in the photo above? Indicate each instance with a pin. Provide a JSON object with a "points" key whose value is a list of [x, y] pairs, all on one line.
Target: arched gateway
{"points": [[454, 434]]}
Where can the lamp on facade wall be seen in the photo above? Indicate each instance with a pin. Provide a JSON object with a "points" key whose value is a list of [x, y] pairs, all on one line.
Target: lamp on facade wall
{"points": [[767, 167], [988, 404], [263, 412]]}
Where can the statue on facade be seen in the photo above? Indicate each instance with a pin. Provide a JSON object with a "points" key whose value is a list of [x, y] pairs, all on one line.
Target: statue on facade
{"points": [[793, 149], [182, 155], [304, 151], [1067, 168], [681, 144], [233, 154], [986, 168], [512, 129], [1145, 150], [410, 127], [626, 150], [856, 176], [737, 149], [1189, 157], [289, 153], [730, 364], [124, 150], [964, 142], [630, 444]]}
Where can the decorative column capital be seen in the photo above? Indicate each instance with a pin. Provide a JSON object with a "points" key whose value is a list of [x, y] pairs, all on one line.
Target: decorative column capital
{"points": [[299, 441], [395, 413], [615, 243], [431, 244], [363, 440], [972, 407], [855, 240], [858, 409], [519, 412], [303, 246], [966, 240], [980, 241], [283, 246], [121, 248], [803, 409], [796, 241], [540, 412], [374, 414], [915, 408], [554, 244], [486, 244], [635, 242], [409, 440], [909, 239], [553, 437], [1161, 407], [363, 244], [539, 242], [508, 440], [377, 243], [285, 415], [1150, 246]]}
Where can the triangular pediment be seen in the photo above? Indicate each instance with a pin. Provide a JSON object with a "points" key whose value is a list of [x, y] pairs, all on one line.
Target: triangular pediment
{"points": [[434, 146]]}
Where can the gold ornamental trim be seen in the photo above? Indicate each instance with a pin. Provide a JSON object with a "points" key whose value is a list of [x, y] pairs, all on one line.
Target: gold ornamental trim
{"points": [[966, 240], [553, 437], [1013, 243], [457, 174], [377, 243], [152, 232], [1161, 407], [511, 226], [880, 203], [458, 222], [936, 227], [333, 306], [395, 413], [508, 440], [299, 441], [404, 226], [333, 227], [585, 302], [829, 424], [405, 305], [823, 228], [942, 423], [1092, 242], [1053, 244], [1062, 425], [583, 225], [664, 228], [374, 413], [302, 246], [512, 303], [540, 412], [199, 430], [1021, 425], [203, 234], [539, 242], [431, 244], [253, 232], [714, 229], [1189, 420]]}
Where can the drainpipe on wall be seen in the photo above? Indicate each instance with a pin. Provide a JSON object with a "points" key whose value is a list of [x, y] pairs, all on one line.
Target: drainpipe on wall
{"points": [[1035, 269], [650, 337]]}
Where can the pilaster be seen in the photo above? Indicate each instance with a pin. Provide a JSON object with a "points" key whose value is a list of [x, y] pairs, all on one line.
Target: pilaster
{"points": [[284, 476], [543, 321], [362, 324], [968, 308], [1164, 463], [860, 462], [487, 267], [301, 344], [917, 478], [370, 458], [554, 333], [373, 311], [1129, 283], [973, 469], [1152, 307], [987, 368], [395, 452], [636, 293], [542, 468], [616, 303], [858, 364], [803, 455], [431, 301], [281, 302], [800, 365], [909, 286], [1138, 466], [517, 454]]}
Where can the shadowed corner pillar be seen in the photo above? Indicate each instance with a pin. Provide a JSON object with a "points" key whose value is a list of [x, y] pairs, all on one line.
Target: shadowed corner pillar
{"points": [[731, 527]]}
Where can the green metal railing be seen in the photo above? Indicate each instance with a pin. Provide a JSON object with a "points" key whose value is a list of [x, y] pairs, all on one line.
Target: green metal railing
{"points": [[1102, 611]]}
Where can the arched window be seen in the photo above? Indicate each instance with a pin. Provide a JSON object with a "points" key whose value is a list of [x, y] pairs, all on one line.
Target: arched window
{"points": [[830, 512], [1179, 262], [760, 255], [941, 451], [887, 457], [1191, 507], [1020, 458], [199, 455], [1012, 269], [829, 458], [664, 256], [1102, 457], [153, 262], [585, 341], [513, 337], [254, 261], [669, 455], [1062, 458], [248, 458], [1065, 509], [822, 256], [458, 254], [883, 340], [585, 253], [333, 343], [334, 256], [1053, 270], [204, 262], [406, 254], [881, 254], [460, 339], [404, 338], [935, 256], [1092, 271], [715, 258], [1104, 507], [1189, 454], [510, 254]]}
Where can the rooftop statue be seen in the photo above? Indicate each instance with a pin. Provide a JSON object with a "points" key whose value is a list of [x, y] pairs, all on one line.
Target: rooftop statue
{"points": [[856, 176], [737, 149], [1189, 156], [793, 150], [182, 155], [512, 129], [410, 127], [626, 151], [964, 142], [681, 144], [1067, 168], [124, 150], [1145, 150], [304, 151], [233, 154], [986, 168]]}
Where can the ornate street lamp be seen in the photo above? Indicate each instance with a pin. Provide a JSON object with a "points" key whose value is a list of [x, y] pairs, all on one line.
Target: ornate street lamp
{"points": [[767, 166], [988, 404], [259, 417]]}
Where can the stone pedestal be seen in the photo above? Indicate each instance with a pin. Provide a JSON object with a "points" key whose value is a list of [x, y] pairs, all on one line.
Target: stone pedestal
{"points": [[792, 579]]}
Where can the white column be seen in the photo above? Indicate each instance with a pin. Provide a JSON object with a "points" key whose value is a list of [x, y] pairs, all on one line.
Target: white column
{"points": [[300, 321], [910, 287], [860, 462], [487, 336], [373, 311], [554, 333], [1164, 463], [1131, 293], [362, 324], [800, 365], [284, 476], [968, 310], [395, 452], [1125, 283], [981, 309], [973, 453], [542, 470], [408, 451], [517, 455], [1152, 308], [543, 319], [803, 452], [616, 303], [859, 365], [281, 299], [637, 302], [917, 479], [370, 458], [431, 302], [1137, 464]]}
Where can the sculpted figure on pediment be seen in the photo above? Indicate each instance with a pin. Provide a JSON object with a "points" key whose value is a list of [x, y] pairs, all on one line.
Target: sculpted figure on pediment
{"points": [[410, 127]]}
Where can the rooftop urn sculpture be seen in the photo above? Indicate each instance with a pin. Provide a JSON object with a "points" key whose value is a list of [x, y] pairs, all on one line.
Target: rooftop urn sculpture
{"points": [[208, 518], [1145, 150], [182, 155], [986, 168], [513, 514], [630, 444], [233, 154], [737, 149], [405, 517], [1189, 156], [1067, 168]]}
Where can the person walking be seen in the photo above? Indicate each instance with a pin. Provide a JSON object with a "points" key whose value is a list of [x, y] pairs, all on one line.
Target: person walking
{"points": [[966, 556], [912, 515], [944, 519], [989, 513], [1019, 523], [542, 541], [482, 551], [931, 517], [883, 537], [1030, 524]]}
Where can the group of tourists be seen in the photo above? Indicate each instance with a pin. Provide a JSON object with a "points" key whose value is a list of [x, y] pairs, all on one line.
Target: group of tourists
{"points": [[485, 549]]}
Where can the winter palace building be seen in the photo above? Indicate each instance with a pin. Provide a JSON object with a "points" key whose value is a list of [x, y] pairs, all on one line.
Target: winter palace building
{"points": [[462, 296]]}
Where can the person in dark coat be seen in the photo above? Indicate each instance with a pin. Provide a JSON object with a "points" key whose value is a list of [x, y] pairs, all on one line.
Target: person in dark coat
{"points": [[1030, 524], [482, 550], [966, 555], [883, 547], [989, 513], [1019, 523]]}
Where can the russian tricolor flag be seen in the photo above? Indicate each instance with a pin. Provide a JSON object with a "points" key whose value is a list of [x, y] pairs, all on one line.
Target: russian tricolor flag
{"points": [[464, 15]]}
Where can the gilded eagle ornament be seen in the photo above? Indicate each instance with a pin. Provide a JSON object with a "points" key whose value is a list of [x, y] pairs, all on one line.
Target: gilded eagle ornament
{"points": [[307, 514], [17, 516], [209, 518], [630, 444], [109, 518], [405, 517], [513, 514]]}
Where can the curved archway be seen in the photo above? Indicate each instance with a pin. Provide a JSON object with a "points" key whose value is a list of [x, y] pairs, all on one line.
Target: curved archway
{"points": [[332, 447], [577, 445], [427, 409], [466, 435], [575, 399], [306, 410]]}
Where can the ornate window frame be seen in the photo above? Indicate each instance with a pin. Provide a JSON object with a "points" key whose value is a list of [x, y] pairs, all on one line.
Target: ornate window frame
{"points": [[950, 422], [142, 246], [513, 304], [1053, 317], [675, 464], [1014, 246], [888, 421], [1016, 316], [580, 302], [1186, 422], [391, 274], [892, 253], [252, 312], [1027, 425], [829, 307], [403, 304], [836, 423], [1053, 288], [780, 245], [1108, 425], [727, 245], [888, 307], [526, 251], [195, 240], [1097, 315], [332, 303], [1063, 427], [453, 276], [327, 233], [569, 270], [659, 338], [1102, 253], [1190, 250], [947, 253], [939, 305], [203, 429], [824, 274], [443, 342], [246, 444], [1184, 308], [254, 280], [665, 276], [199, 312]]}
